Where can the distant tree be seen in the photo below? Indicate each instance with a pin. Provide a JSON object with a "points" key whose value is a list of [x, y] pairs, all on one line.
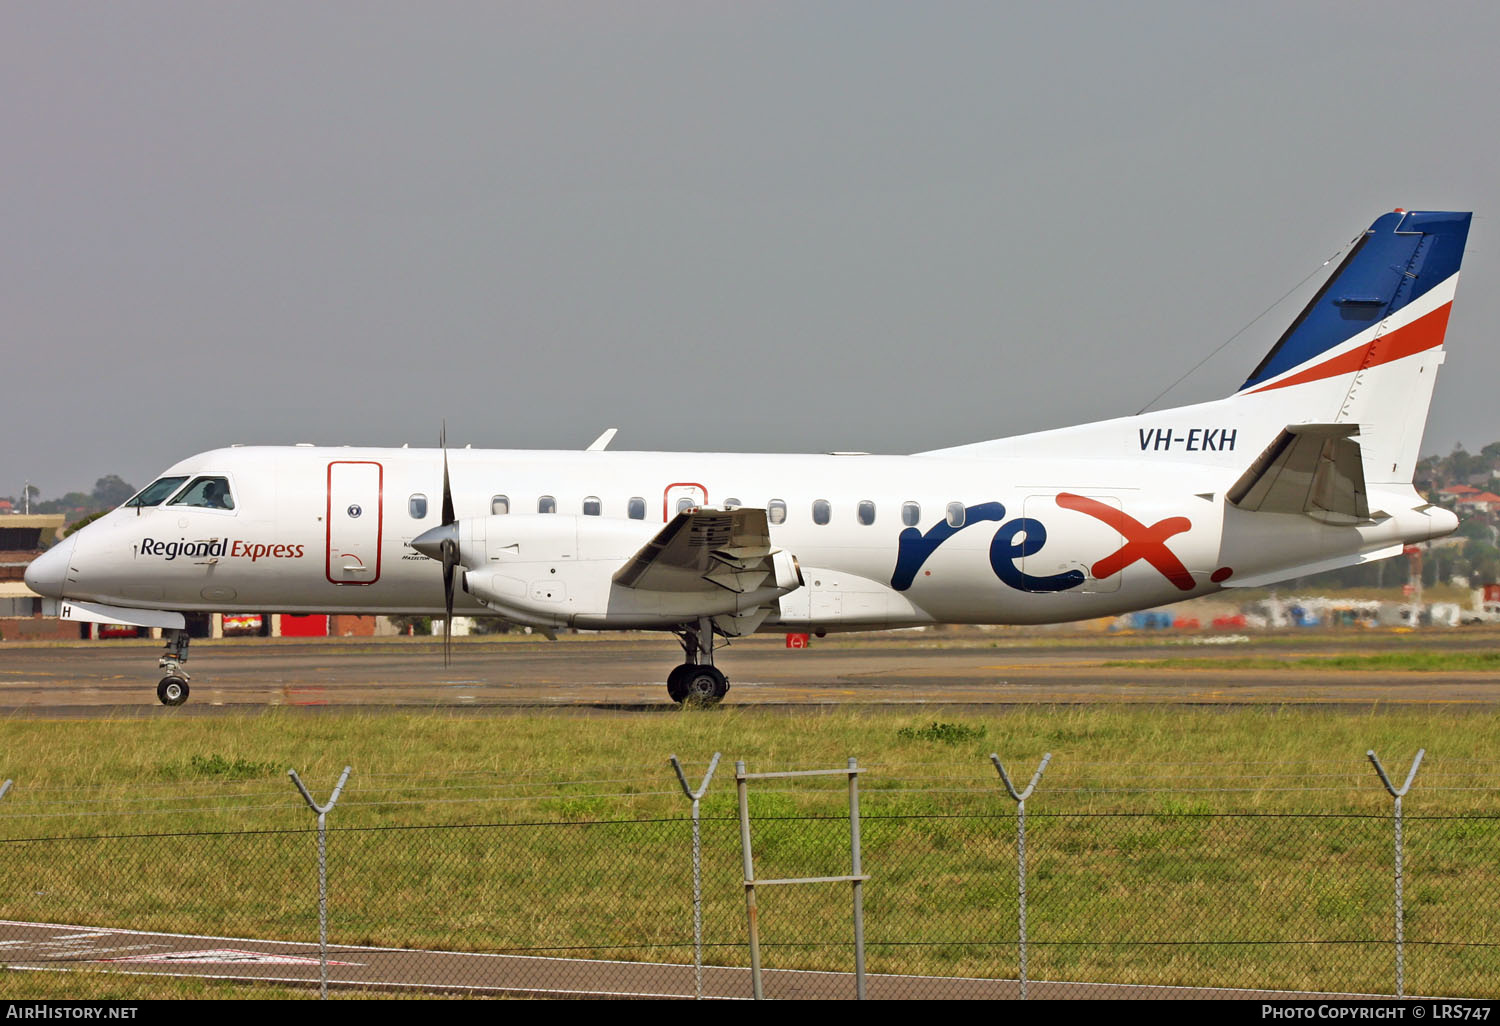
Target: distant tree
{"points": [[1461, 464], [412, 624], [1484, 561], [84, 522], [1473, 527], [68, 503], [110, 491]]}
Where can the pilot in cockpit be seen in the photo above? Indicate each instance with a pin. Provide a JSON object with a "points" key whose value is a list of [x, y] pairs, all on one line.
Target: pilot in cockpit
{"points": [[216, 496]]}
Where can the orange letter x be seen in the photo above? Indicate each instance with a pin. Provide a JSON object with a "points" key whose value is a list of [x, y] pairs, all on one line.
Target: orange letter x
{"points": [[1141, 542]]}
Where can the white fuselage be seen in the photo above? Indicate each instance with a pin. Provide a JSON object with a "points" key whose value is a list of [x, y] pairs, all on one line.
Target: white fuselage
{"points": [[318, 529]]}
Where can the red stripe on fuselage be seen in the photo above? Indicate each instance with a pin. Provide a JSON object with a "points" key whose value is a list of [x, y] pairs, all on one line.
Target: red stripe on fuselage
{"points": [[1426, 332]]}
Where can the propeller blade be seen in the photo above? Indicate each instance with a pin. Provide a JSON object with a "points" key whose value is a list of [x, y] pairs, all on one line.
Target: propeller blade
{"points": [[449, 548], [448, 515], [450, 560]]}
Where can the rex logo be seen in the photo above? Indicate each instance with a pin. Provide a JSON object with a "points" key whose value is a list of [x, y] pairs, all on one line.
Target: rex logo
{"points": [[1024, 536]]}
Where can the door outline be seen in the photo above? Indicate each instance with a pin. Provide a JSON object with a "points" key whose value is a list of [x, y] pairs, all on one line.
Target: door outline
{"points": [[1041, 507], [666, 497], [379, 521]]}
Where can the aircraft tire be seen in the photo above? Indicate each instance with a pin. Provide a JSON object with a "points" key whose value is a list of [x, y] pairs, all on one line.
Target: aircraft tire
{"points": [[705, 686], [172, 691], [677, 681]]}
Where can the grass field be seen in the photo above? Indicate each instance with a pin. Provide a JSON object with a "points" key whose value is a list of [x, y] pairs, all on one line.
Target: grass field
{"points": [[1198, 846]]}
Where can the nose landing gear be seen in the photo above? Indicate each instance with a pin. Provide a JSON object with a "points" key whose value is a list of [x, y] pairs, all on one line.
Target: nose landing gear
{"points": [[173, 688], [697, 681]]}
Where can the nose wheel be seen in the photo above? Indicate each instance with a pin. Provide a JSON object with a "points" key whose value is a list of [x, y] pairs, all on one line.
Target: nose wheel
{"points": [[173, 688]]}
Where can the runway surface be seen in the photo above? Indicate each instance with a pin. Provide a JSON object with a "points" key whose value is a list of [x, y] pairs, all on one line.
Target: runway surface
{"points": [[964, 669]]}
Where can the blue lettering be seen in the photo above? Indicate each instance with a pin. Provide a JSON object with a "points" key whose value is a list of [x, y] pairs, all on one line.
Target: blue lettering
{"points": [[913, 547], [1005, 550]]}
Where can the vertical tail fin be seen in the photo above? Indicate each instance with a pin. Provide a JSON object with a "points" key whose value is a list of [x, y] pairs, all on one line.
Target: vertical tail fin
{"points": [[1362, 354], [1366, 349]]}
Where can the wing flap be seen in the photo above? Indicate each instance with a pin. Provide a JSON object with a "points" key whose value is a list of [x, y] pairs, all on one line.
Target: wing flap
{"points": [[704, 550]]}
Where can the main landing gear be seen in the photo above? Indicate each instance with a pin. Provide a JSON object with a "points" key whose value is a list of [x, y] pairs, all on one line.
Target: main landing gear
{"points": [[173, 688], [697, 681]]}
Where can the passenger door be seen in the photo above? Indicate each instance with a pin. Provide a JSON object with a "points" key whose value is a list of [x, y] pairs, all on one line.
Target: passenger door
{"points": [[355, 521]]}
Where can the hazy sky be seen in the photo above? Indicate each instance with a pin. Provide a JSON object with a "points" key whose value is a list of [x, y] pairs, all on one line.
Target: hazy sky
{"points": [[747, 226]]}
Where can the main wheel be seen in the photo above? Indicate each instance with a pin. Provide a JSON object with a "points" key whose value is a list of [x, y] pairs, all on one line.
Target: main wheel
{"points": [[705, 685], [172, 691], [676, 682]]}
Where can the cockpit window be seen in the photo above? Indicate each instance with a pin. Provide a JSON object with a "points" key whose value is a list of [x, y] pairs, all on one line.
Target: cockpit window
{"points": [[207, 492], [156, 492]]}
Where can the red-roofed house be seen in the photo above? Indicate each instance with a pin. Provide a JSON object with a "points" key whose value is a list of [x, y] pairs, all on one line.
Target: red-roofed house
{"points": [[1479, 502]]}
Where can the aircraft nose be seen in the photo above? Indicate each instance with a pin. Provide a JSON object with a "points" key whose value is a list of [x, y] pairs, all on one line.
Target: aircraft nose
{"points": [[46, 574]]}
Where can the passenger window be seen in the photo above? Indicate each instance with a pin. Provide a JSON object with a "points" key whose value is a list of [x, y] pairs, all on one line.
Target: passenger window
{"points": [[911, 513], [732, 503], [546, 504], [955, 514], [636, 508], [684, 504], [417, 506], [499, 505], [592, 507], [776, 511], [155, 493], [822, 512], [206, 493], [866, 512]]}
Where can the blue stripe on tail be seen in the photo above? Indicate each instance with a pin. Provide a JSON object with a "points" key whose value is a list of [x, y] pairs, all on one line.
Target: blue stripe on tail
{"points": [[1401, 256]]}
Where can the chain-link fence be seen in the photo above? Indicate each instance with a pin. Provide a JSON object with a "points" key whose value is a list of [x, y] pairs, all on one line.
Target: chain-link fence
{"points": [[1237, 883]]}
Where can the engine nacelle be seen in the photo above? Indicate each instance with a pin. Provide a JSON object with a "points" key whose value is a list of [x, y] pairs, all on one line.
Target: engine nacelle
{"points": [[550, 570]]}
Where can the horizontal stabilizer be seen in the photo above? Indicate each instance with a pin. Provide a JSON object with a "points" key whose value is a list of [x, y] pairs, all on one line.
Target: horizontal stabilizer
{"points": [[1308, 569], [1316, 469]]}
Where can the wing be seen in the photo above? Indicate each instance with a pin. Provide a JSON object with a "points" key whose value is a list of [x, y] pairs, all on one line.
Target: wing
{"points": [[704, 550]]}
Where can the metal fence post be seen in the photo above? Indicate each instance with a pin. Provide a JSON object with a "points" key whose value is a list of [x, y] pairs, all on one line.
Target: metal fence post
{"points": [[858, 883], [856, 878], [1020, 799], [751, 912], [694, 796], [1400, 909], [322, 811]]}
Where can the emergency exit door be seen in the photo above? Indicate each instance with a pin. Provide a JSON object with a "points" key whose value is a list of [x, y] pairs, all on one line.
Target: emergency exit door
{"points": [[354, 521]]}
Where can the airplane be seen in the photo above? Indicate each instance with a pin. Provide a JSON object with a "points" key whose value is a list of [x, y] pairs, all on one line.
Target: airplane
{"points": [[1306, 467]]}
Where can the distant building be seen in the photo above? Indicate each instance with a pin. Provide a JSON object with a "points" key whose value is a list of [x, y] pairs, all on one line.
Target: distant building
{"points": [[1479, 502], [21, 539]]}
